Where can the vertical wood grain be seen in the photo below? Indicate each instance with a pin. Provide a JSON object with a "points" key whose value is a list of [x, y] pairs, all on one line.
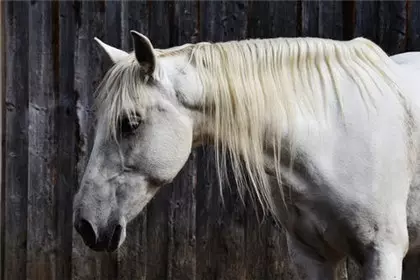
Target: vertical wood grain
{"points": [[66, 131], [42, 152], [3, 68], [16, 140], [182, 207]]}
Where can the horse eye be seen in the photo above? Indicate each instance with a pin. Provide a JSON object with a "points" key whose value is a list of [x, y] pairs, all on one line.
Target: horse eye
{"points": [[128, 126]]}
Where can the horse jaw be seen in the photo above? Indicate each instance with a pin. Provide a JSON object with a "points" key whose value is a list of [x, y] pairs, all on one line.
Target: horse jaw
{"points": [[114, 54]]}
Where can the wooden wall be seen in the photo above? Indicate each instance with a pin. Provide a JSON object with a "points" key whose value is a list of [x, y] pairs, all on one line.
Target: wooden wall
{"points": [[52, 66]]}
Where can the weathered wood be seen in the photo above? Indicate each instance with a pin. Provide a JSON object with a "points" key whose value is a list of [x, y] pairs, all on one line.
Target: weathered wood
{"points": [[384, 22], [66, 130], [281, 19], [349, 19], [367, 20], [322, 19], [113, 23], [182, 207], [392, 26], [42, 149], [210, 21], [208, 202], [186, 23], [413, 26], [135, 15], [285, 16], [182, 239], [160, 14], [258, 26], [2, 117], [15, 135]]}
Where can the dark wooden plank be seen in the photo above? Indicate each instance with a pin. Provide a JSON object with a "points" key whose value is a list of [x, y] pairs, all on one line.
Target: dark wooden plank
{"points": [[384, 22], [282, 20], [181, 224], [413, 28], [349, 19], [367, 20], [160, 14], [135, 15], [2, 118], [185, 22], [207, 224], [113, 12], [310, 18], [210, 21], [209, 203], [89, 63], [42, 153], [63, 44], [322, 19], [279, 265], [258, 26], [392, 26], [158, 208], [182, 207], [285, 18], [235, 20], [16, 140]]}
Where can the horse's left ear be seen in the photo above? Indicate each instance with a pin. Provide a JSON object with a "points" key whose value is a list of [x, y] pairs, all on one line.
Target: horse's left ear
{"points": [[143, 49]]}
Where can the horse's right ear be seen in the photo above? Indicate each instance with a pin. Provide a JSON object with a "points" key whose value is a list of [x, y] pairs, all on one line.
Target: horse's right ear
{"points": [[113, 53]]}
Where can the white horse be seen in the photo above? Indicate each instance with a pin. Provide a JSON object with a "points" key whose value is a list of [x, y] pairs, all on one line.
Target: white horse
{"points": [[324, 134]]}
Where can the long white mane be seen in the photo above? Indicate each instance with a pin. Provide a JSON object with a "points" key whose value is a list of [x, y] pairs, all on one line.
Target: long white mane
{"points": [[255, 89]]}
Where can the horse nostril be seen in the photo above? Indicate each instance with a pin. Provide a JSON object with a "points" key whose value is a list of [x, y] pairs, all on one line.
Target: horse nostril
{"points": [[115, 238], [85, 229]]}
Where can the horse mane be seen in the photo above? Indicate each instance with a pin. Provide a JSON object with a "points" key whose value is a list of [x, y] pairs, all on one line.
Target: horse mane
{"points": [[254, 90]]}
